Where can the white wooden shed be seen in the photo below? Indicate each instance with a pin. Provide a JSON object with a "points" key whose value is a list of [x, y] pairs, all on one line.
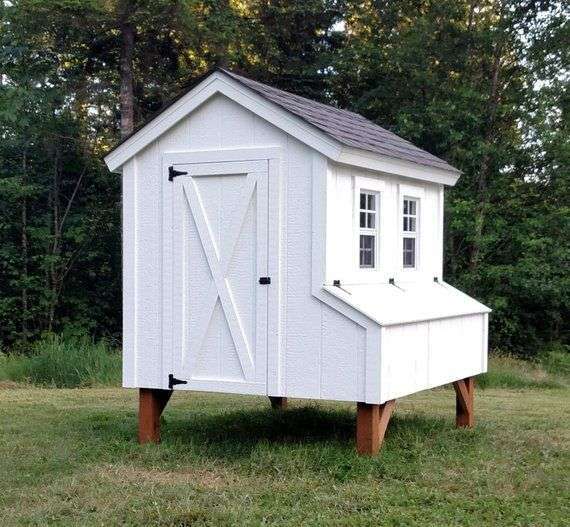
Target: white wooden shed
{"points": [[277, 246]]}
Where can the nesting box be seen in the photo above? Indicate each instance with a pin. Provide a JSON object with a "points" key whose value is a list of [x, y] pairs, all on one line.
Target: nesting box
{"points": [[273, 245]]}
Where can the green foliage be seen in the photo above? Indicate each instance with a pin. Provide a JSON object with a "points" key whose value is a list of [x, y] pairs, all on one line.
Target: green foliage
{"points": [[64, 362], [483, 84]]}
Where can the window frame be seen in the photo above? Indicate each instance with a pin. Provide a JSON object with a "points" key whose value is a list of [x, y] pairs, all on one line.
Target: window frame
{"points": [[408, 234], [374, 231], [373, 185]]}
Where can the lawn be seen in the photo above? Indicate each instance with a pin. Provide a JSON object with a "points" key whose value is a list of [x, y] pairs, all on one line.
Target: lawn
{"points": [[69, 457]]}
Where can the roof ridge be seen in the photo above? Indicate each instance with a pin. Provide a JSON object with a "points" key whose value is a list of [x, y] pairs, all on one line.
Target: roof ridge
{"points": [[291, 94]]}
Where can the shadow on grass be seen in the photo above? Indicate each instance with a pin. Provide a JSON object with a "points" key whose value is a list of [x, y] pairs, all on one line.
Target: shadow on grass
{"points": [[307, 424], [239, 432], [261, 440]]}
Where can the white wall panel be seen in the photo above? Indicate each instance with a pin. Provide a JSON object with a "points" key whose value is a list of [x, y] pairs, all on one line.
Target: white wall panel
{"points": [[404, 360], [424, 355], [302, 311], [342, 357], [314, 337], [148, 267], [323, 352], [342, 235], [455, 349]]}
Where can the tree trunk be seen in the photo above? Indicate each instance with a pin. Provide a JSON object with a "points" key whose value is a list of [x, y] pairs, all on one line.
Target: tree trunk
{"points": [[56, 243], [483, 175], [24, 247], [126, 71]]}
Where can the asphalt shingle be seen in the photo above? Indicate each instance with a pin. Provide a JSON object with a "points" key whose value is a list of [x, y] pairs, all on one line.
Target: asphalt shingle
{"points": [[348, 128]]}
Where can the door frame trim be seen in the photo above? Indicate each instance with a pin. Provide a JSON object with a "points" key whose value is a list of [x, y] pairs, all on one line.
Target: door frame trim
{"points": [[273, 157], [190, 157]]}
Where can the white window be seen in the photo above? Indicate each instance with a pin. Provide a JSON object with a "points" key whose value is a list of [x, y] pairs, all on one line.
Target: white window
{"points": [[368, 232], [410, 233]]}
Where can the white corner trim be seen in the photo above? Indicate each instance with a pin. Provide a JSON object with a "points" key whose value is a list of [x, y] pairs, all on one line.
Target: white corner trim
{"points": [[389, 165], [220, 83]]}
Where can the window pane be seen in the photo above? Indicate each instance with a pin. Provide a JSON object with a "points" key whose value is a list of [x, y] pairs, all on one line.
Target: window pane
{"points": [[405, 223], [406, 206], [412, 207], [409, 252], [363, 219], [362, 200], [412, 225], [371, 220], [371, 202], [367, 249]]}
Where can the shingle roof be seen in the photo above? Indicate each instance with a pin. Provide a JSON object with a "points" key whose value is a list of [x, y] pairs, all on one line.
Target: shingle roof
{"points": [[348, 128]]}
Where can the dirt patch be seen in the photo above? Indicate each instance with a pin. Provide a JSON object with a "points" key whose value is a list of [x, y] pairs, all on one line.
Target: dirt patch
{"points": [[11, 385], [136, 475]]}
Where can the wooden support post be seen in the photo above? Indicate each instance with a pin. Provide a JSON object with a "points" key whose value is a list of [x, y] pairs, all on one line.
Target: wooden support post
{"points": [[278, 403], [151, 405], [464, 392], [371, 424]]}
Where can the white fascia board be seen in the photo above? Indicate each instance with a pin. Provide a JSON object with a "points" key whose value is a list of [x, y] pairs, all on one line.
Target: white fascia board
{"points": [[390, 165], [218, 82]]}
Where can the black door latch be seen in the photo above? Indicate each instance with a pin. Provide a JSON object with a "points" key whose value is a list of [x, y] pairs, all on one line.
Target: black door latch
{"points": [[265, 280], [172, 173], [172, 381]]}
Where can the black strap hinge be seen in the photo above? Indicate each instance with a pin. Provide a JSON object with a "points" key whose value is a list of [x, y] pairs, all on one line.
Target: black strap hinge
{"points": [[173, 381], [265, 280], [172, 173]]}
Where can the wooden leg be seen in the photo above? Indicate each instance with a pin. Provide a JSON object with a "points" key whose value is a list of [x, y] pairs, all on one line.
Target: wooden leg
{"points": [[151, 405], [278, 403], [371, 423], [464, 392]]}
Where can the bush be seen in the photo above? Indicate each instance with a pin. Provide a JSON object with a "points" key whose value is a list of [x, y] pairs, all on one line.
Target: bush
{"points": [[65, 362], [556, 360]]}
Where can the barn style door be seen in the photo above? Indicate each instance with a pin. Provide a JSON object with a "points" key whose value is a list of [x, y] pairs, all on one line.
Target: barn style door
{"points": [[219, 275]]}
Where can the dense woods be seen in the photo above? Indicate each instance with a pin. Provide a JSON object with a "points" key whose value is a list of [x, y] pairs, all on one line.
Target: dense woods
{"points": [[480, 83]]}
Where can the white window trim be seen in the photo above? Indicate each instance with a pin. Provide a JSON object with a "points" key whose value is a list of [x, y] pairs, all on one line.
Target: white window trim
{"points": [[368, 231], [410, 234], [374, 186], [417, 194]]}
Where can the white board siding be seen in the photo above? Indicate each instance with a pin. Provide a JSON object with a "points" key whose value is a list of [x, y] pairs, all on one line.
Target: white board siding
{"points": [[342, 237], [343, 355], [129, 208], [313, 336], [148, 268], [329, 349], [424, 355]]}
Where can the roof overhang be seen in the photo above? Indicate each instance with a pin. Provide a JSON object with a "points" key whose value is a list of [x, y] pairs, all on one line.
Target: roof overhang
{"points": [[220, 83]]}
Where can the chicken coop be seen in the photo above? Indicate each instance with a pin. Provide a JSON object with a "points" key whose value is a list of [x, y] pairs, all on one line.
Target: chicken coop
{"points": [[277, 246]]}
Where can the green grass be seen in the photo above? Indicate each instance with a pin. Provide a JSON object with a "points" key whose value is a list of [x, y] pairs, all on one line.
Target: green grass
{"points": [[64, 362], [69, 457], [550, 371], [71, 361]]}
